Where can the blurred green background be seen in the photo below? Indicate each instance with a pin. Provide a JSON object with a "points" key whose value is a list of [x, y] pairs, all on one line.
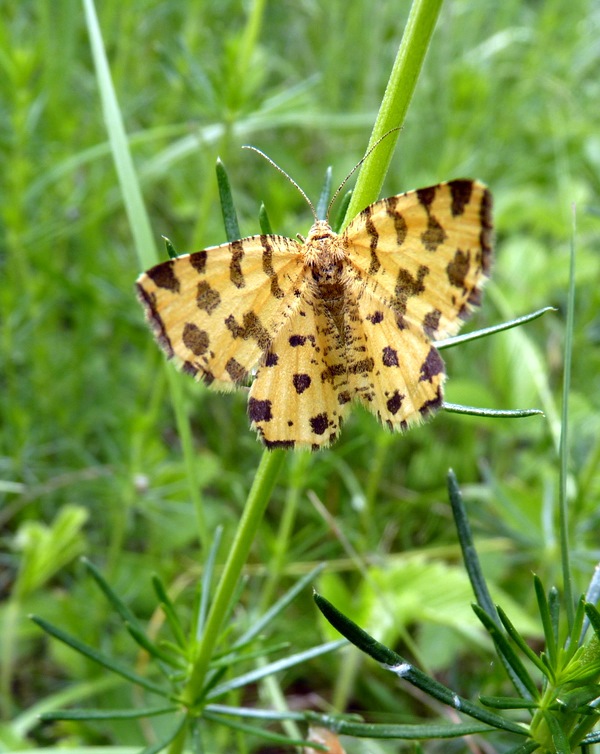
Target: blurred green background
{"points": [[90, 461]]}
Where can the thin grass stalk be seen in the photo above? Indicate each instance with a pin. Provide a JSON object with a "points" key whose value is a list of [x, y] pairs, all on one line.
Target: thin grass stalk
{"points": [[396, 99], [143, 239]]}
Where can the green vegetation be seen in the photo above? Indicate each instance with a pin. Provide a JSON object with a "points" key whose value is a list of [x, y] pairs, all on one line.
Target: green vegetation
{"points": [[107, 452]]}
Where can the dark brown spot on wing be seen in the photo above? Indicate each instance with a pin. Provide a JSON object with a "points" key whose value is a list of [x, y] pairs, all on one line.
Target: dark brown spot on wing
{"points": [[432, 366], [432, 405], [256, 330], [235, 266], [485, 235], [267, 263], [434, 235], [431, 322], [272, 359], [207, 298], [458, 269], [195, 339], [259, 411], [236, 371], [364, 366], [460, 192], [198, 261], [284, 444], [399, 222], [251, 327], [301, 382], [406, 286], [163, 275], [297, 340], [319, 423], [375, 318], [188, 368], [390, 357], [426, 197], [373, 241], [394, 403]]}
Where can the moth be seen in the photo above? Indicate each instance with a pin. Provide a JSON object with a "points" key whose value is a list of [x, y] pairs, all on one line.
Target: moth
{"points": [[314, 325]]}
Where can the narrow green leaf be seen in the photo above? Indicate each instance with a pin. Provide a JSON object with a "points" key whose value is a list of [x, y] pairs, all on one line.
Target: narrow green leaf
{"points": [[355, 634], [559, 737], [274, 667], [264, 222], [591, 738], [484, 332], [98, 657], [594, 617], [170, 613], [254, 730], [230, 221], [575, 626], [409, 732], [324, 198], [592, 595], [508, 702], [403, 669], [254, 712], [493, 413], [470, 557], [505, 648], [153, 650], [554, 607], [230, 658], [579, 699], [474, 570], [259, 625], [207, 576], [130, 187], [341, 211], [521, 643], [126, 615], [170, 248], [547, 622], [107, 714]]}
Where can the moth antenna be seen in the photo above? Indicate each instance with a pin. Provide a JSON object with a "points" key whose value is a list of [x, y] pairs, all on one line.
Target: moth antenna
{"points": [[358, 164], [290, 179]]}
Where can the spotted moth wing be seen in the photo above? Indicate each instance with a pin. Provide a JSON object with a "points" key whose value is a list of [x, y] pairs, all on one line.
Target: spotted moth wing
{"points": [[425, 253], [216, 311]]}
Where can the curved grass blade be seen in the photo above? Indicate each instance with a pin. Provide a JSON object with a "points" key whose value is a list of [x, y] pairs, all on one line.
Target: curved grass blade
{"points": [[403, 669], [107, 714], [230, 221], [99, 657], [506, 650], [275, 667], [495, 413], [476, 577], [484, 332], [277, 738]]}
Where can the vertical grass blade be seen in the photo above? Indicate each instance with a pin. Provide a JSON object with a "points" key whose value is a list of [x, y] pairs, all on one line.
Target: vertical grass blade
{"points": [[142, 233]]}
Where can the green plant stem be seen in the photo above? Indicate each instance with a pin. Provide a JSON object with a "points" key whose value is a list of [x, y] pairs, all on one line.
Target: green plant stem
{"points": [[254, 508], [398, 94], [281, 548], [564, 437]]}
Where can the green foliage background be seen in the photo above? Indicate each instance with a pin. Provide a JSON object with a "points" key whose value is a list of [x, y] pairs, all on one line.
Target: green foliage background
{"points": [[90, 460]]}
